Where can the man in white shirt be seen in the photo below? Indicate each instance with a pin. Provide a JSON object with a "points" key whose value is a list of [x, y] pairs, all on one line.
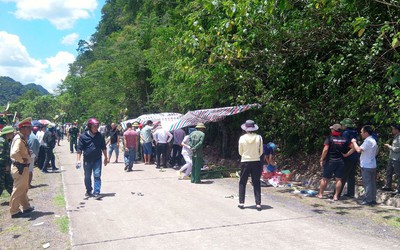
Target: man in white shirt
{"points": [[162, 137], [368, 150]]}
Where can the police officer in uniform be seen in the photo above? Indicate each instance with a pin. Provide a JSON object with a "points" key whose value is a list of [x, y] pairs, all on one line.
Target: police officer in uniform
{"points": [[20, 157], [6, 180]]}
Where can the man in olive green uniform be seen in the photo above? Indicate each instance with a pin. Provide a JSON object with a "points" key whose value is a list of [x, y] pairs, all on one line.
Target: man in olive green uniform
{"points": [[196, 140], [6, 180], [20, 157]]}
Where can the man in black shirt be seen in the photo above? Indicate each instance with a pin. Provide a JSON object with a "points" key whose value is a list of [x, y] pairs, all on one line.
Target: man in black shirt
{"points": [[114, 143], [332, 160], [92, 145]]}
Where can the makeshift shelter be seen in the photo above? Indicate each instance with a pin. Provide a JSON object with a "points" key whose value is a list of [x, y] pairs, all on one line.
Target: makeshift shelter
{"points": [[166, 119], [191, 118]]}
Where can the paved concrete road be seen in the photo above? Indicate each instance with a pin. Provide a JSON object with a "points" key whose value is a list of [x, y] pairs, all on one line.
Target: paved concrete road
{"points": [[175, 214]]}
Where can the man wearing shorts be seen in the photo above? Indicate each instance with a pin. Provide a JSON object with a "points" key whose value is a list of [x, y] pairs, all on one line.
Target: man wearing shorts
{"points": [[147, 138], [332, 160]]}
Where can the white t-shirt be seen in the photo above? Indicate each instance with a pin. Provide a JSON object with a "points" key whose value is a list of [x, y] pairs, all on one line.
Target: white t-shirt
{"points": [[185, 149], [368, 154], [40, 135]]}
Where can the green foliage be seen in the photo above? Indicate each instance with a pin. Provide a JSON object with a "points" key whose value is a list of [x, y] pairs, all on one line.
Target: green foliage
{"points": [[309, 63]]}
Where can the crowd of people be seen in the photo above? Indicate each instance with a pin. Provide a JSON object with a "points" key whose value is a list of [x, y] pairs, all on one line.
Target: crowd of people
{"points": [[29, 146], [342, 154]]}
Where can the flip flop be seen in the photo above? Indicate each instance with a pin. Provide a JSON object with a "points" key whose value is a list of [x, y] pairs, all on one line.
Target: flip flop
{"points": [[319, 196]]}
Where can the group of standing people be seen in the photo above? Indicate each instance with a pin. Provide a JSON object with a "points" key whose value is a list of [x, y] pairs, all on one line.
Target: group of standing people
{"points": [[342, 154]]}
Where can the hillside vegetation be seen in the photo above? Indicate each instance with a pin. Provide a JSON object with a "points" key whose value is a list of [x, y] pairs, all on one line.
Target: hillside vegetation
{"points": [[309, 63]]}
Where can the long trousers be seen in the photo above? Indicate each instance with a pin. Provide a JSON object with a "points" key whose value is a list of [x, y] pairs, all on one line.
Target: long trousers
{"points": [[196, 170], [19, 196], [254, 169], [161, 150]]}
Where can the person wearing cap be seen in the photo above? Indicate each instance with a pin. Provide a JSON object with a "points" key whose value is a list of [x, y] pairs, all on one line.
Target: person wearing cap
{"points": [[349, 132], [72, 137], [20, 157], [6, 180], [49, 142], [394, 160], [250, 149], [368, 151], [332, 160], [130, 145], [196, 143]]}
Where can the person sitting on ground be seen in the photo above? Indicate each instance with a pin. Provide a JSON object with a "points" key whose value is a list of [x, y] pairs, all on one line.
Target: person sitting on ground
{"points": [[332, 160]]}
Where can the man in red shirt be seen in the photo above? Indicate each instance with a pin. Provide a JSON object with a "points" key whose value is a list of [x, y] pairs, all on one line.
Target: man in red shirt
{"points": [[130, 145]]}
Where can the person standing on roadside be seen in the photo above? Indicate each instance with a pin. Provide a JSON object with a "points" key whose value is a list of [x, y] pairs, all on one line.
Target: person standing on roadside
{"points": [[332, 161], [196, 143], [6, 180], [34, 145], [250, 149], [351, 161], [394, 160], [186, 153], [179, 134], [20, 157], [130, 145], [368, 150], [72, 137], [92, 144], [49, 141], [42, 153], [162, 138], [147, 138], [113, 143]]}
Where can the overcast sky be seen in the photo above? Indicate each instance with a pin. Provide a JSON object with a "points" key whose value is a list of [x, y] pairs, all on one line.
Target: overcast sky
{"points": [[38, 38]]}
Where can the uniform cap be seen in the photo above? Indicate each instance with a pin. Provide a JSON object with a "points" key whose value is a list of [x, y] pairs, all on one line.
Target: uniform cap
{"points": [[27, 122], [7, 130]]}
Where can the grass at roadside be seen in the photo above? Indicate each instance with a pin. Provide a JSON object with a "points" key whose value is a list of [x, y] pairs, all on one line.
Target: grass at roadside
{"points": [[395, 222], [63, 224], [63, 221]]}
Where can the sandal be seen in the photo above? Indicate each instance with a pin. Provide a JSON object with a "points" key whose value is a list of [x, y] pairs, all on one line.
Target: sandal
{"points": [[319, 196], [258, 207]]}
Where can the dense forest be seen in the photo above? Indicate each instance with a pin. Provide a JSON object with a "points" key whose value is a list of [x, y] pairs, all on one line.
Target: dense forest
{"points": [[12, 90], [309, 63]]}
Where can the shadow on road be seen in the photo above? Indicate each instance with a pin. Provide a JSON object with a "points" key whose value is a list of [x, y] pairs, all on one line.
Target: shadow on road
{"points": [[37, 214]]}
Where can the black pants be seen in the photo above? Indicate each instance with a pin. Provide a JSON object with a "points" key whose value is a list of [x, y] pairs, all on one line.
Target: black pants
{"points": [[72, 144], [250, 168], [349, 177], [49, 157], [41, 157], [176, 155], [162, 150], [391, 168]]}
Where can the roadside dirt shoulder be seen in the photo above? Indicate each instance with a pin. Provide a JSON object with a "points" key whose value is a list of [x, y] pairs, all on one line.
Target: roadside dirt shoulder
{"points": [[47, 226]]}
